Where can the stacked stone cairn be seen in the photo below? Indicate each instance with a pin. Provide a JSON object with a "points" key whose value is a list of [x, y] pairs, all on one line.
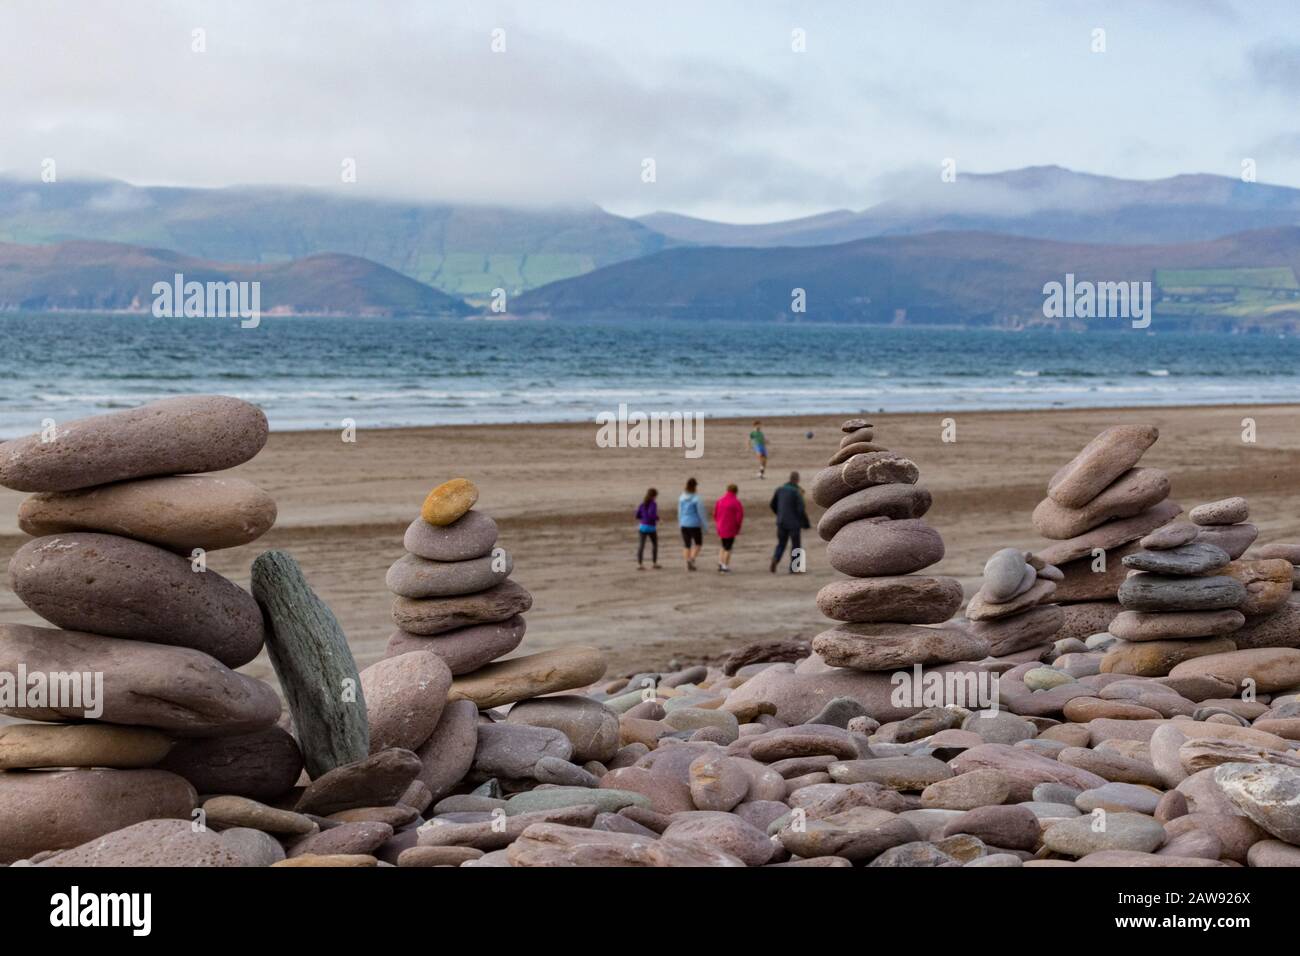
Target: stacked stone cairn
{"points": [[1101, 501], [124, 514], [1191, 593], [1178, 601], [1012, 610], [887, 611]]}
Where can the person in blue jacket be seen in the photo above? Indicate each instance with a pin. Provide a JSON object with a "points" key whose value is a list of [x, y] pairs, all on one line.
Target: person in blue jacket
{"points": [[691, 520]]}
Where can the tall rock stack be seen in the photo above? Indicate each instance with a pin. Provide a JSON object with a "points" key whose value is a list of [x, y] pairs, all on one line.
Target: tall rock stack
{"points": [[453, 593], [876, 537], [1100, 500], [124, 516], [1267, 574], [454, 599], [1180, 601], [1012, 609]]}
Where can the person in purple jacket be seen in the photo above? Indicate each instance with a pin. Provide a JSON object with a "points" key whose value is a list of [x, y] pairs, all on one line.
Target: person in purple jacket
{"points": [[647, 514]]}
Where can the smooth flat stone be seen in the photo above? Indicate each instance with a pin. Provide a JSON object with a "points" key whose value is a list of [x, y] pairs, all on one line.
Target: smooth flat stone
{"points": [[1278, 549], [896, 501], [880, 647], [1023, 768], [903, 599], [1225, 511], [448, 754], [519, 678], [1143, 591], [1233, 538], [106, 584], [449, 501], [35, 746], [263, 765], [1019, 632], [860, 833], [1132, 493], [346, 839], [854, 448], [174, 689], [1172, 535], [179, 513], [404, 698], [893, 773], [378, 780], [1103, 460], [980, 610], [512, 750], [416, 577], [1158, 658], [472, 535], [465, 649], [188, 435], [1113, 534], [1271, 669], [874, 547], [552, 844], [58, 810], [437, 615], [1196, 557], [1175, 625], [1123, 831], [227, 811], [168, 843]]}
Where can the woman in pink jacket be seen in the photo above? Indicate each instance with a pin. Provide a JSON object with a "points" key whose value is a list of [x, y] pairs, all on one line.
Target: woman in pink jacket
{"points": [[728, 515]]}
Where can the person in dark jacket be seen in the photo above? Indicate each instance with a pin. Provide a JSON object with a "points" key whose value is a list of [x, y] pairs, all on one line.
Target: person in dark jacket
{"points": [[791, 519]]}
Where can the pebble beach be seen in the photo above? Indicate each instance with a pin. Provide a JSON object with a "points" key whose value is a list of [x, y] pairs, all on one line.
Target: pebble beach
{"points": [[1071, 642]]}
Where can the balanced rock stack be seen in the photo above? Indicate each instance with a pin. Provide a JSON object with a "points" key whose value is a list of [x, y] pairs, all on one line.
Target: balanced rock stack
{"points": [[1011, 610], [454, 595], [873, 523], [145, 636], [1192, 594], [454, 599], [1180, 601], [1100, 502]]}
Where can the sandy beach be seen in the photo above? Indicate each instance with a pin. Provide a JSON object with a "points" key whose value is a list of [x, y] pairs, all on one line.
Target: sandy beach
{"points": [[565, 509]]}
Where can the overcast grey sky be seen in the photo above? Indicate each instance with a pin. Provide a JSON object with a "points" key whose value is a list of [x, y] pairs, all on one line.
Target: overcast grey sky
{"points": [[740, 126]]}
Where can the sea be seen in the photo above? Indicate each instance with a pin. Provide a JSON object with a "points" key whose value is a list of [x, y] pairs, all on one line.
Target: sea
{"points": [[310, 372]]}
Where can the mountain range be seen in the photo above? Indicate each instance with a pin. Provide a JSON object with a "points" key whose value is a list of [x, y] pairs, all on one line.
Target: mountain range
{"points": [[89, 276], [1221, 253]]}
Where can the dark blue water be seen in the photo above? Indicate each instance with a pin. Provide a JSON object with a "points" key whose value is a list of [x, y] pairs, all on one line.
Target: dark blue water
{"points": [[313, 372]]}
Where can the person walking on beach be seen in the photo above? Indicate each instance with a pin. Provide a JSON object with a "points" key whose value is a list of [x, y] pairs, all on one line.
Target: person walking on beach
{"points": [[690, 518], [758, 442], [728, 515], [791, 519], [647, 516]]}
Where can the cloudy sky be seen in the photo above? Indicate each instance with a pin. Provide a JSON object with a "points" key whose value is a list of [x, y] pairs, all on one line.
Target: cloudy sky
{"points": [[740, 126]]}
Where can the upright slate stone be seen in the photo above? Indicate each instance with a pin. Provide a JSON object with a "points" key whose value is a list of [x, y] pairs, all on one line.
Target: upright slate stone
{"points": [[311, 657]]}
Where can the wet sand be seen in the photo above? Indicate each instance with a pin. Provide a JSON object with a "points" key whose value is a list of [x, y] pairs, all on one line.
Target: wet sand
{"points": [[565, 507]]}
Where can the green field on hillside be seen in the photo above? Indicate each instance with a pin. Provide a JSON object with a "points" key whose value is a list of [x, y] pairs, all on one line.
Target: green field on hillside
{"points": [[1279, 277]]}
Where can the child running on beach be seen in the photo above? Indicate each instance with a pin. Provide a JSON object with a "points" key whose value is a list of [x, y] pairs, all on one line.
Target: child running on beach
{"points": [[647, 514], [690, 518], [728, 515], [758, 442]]}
